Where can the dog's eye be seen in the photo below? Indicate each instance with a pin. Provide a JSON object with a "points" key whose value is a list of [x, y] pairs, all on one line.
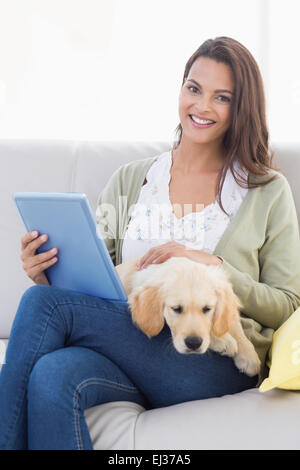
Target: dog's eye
{"points": [[178, 309], [206, 309]]}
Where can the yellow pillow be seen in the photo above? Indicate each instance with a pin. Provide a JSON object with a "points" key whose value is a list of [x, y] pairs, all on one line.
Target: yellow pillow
{"points": [[284, 356]]}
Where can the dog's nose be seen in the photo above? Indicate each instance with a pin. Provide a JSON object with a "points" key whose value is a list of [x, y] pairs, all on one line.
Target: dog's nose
{"points": [[193, 342]]}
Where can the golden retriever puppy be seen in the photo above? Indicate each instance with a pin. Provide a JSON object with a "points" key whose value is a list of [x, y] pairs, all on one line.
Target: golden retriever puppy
{"points": [[197, 302]]}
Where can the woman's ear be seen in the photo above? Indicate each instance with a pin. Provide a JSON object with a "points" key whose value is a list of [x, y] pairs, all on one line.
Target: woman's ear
{"points": [[147, 306], [227, 309]]}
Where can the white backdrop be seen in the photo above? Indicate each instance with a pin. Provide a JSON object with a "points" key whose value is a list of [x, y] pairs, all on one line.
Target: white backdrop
{"points": [[112, 69]]}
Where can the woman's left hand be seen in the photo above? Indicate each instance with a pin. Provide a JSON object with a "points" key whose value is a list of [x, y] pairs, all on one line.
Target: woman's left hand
{"points": [[161, 253]]}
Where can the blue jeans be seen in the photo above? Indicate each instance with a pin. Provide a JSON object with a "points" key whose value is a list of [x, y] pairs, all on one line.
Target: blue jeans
{"points": [[69, 351]]}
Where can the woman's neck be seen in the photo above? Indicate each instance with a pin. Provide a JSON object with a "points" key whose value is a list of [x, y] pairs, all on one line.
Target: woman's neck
{"points": [[200, 158]]}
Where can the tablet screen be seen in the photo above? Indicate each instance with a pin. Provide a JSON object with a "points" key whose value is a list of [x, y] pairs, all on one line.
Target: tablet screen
{"points": [[84, 263]]}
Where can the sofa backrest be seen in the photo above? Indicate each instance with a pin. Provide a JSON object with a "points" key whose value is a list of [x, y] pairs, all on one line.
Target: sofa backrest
{"points": [[70, 166]]}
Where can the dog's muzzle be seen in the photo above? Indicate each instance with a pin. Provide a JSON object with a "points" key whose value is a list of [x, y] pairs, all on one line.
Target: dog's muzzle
{"points": [[193, 342]]}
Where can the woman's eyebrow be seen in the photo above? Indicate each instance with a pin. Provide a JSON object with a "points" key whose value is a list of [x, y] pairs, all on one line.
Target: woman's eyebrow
{"points": [[216, 91]]}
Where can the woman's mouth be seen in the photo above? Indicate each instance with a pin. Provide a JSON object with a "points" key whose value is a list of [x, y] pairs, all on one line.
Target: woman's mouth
{"points": [[201, 123]]}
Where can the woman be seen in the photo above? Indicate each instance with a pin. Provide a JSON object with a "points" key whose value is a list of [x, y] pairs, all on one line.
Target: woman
{"points": [[68, 351]]}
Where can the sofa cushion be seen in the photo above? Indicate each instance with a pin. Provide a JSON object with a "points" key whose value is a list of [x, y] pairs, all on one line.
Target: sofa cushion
{"points": [[284, 356], [247, 420]]}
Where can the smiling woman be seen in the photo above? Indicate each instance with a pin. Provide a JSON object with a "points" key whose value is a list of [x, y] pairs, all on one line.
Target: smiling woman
{"points": [[204, 121], [204, 107], [222, 83]]}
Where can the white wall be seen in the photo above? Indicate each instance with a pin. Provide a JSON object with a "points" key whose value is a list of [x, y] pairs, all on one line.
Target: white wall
{"points": [[284, 70], [112, 69]]}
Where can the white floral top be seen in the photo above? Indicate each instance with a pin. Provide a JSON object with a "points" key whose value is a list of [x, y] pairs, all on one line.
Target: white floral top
{"points": [[153, 221]]}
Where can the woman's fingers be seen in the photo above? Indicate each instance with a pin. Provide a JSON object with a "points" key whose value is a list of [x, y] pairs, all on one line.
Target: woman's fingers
{"points": [[35, 271], [27, 238], [41, 258], [35, 264]]}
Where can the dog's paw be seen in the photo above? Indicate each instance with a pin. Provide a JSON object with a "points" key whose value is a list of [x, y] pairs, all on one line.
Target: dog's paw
{"points": [[226, 345], [249, 365]]}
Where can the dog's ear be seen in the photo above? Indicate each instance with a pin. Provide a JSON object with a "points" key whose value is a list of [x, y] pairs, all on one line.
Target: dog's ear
{"points": [[147, 307], [227, 309]]}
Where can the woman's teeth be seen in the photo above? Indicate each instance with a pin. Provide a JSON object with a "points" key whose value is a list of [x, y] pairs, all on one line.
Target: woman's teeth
{"points": [[201, 121]]}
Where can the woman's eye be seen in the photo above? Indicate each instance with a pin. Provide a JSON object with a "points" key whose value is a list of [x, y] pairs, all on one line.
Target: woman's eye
{"points": [[193, 89], [224, 98], [177, 309]]}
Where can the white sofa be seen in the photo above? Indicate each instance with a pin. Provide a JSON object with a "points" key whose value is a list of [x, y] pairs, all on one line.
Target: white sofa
{"points": [[248, 420]]}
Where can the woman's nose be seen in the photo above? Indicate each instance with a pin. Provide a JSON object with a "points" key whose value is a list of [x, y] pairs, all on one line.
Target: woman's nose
{"points": [[203, 105]]}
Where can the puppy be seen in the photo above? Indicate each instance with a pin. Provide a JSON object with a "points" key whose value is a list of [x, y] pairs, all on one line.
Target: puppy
{"points": [[197, 302]]}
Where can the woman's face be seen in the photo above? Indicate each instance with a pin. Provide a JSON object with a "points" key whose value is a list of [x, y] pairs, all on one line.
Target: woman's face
{"points": [[206, 95]]}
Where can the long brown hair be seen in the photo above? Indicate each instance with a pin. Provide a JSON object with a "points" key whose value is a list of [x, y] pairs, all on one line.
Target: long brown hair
{"points": [[247, 139]]}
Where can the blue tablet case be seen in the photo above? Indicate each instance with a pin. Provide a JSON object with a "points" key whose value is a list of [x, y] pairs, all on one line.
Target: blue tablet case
{"points": [[84, 263]]}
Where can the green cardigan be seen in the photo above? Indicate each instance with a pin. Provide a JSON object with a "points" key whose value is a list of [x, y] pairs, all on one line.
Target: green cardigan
{"points": [[260, 247]]}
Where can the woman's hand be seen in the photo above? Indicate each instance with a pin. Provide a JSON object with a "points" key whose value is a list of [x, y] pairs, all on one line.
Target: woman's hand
{"points": [[161, 253], [35, 265]]}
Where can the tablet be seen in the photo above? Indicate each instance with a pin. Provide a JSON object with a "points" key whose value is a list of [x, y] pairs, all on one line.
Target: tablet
{"points": [[84, 263]]}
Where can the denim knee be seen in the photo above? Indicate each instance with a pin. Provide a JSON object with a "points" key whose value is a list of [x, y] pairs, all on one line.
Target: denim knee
{"points": [[60, 377], [30, 307], [36, 293], [50, 381]]}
